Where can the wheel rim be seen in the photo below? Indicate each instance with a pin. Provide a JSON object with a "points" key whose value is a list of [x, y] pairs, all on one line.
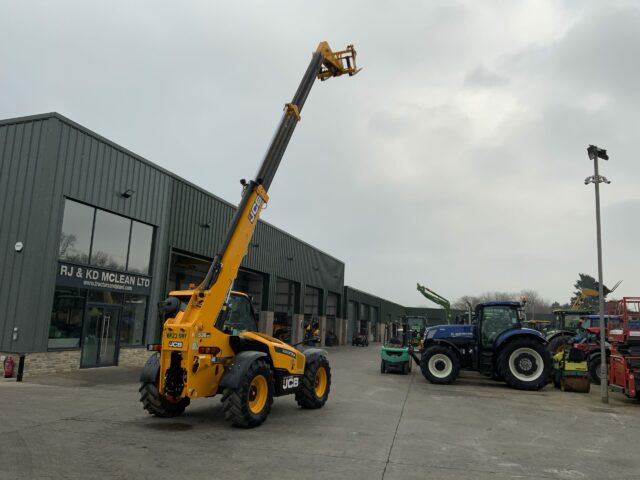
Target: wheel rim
{"points": [[440, 365], [258, 394], [320, 384], [526, 364]]}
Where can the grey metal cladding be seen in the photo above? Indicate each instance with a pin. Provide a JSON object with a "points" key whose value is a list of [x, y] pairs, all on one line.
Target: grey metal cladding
{"points": [[271, 250], [25, 210], [44, 158], [387, 310]]}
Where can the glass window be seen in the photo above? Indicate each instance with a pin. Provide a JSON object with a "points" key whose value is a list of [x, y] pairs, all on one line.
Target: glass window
{"points": [[66, 318], [110, 241], [240, 317], [103, 296], [133, 315], [495, 320], [140, 248], [75, 238]]}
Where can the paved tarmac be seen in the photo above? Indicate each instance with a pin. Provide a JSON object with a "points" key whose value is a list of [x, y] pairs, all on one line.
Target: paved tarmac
{"points": [[89, 424]]}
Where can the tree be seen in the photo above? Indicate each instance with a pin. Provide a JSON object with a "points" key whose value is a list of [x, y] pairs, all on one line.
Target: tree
{"points": [[588, 302], [535, 303]]}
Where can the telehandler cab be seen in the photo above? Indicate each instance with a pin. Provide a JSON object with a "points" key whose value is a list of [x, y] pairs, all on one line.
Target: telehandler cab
{"points": [[209, 339]]}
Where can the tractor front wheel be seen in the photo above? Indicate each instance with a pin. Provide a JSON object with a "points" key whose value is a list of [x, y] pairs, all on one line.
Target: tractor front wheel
{"points": [[316, 384], [525, 364], [440, 365], [157, 405], [249, 405]]}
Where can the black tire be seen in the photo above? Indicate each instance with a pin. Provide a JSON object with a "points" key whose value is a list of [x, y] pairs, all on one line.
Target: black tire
{"points": [[525, 364], [405, 368], [383, 366], [557, 343], [594, 369], [236, 402], [157, 404], [440, 365], [308, 395]]}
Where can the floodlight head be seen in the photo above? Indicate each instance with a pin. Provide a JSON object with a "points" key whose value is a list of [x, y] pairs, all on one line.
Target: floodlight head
{"points": [[597, 152]]}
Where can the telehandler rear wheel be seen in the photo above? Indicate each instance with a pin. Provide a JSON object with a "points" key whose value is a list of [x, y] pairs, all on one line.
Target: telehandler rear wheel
{"points": [[159, 406], [316, 384], [249, 405]]}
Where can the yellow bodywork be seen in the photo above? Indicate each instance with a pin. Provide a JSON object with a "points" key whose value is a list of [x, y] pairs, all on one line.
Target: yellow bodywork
{"points": [[203, 382]]}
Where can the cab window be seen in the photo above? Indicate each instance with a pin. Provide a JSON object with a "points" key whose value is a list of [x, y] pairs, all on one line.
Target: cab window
{"points": [[495, 320], [239, 317]]}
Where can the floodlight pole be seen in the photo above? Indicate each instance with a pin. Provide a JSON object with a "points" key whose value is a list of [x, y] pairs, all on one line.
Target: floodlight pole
{"points": [[595, 153]]}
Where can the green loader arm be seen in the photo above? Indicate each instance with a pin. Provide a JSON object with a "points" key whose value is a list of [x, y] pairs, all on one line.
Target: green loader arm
{"points": [[437, 299]]}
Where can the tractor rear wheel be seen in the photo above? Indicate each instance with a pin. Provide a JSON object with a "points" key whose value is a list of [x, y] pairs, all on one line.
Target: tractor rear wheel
{"points": [[440, 365], [316, 384], [525, 364], [249, 405], [157, 404], [594, 370]]}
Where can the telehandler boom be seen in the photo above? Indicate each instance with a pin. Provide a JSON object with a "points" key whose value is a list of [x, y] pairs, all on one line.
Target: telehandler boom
{"points": [[209, 343]]}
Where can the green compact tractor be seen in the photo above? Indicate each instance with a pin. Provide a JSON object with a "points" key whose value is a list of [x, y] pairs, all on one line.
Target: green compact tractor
{"points": [[395, 356]]}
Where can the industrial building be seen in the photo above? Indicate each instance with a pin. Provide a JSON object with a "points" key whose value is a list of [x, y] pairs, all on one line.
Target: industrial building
{"points": [[94, 236]]}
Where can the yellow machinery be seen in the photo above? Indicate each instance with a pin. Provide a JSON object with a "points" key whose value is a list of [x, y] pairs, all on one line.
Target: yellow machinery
{"points": [[571, 371], [209, 340]]}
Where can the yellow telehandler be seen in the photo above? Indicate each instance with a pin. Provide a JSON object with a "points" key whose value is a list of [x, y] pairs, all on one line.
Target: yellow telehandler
{"points": [[209, 340]]}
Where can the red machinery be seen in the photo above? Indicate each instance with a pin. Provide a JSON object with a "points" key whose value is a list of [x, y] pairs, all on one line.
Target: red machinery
{"points": [[624, 334]]}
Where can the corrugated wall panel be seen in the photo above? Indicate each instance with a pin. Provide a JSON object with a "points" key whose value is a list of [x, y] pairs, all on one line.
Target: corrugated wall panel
{"points": [[192, 207], [20, 277]]}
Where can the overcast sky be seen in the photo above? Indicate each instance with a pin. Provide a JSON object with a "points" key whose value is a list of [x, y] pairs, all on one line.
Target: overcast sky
{"points": [[456, 158]]}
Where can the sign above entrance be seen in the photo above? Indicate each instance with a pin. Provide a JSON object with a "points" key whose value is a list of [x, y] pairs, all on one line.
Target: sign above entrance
{"points": [[80, 276]]}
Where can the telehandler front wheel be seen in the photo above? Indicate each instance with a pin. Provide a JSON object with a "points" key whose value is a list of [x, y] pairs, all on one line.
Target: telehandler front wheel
{"points": [[155, 403], [249, 405], [316, 383]]}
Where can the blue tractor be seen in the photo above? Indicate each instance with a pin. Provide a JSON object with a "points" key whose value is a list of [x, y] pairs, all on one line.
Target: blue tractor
{"points": [[494, 344]]}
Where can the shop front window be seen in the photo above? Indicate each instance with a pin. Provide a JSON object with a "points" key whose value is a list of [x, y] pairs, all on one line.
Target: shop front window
{"points": [[66, 318], [132, 328], [110, 241], [140, 248], [77, 227], [96, 237], [100, 296]]}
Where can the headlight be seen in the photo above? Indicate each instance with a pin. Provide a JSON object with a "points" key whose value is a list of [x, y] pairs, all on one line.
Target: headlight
{"points": [[431, 333]]}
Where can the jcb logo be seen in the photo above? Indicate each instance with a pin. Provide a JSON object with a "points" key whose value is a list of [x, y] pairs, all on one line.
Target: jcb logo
{"points": [[289, 382], [255, 208]]}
